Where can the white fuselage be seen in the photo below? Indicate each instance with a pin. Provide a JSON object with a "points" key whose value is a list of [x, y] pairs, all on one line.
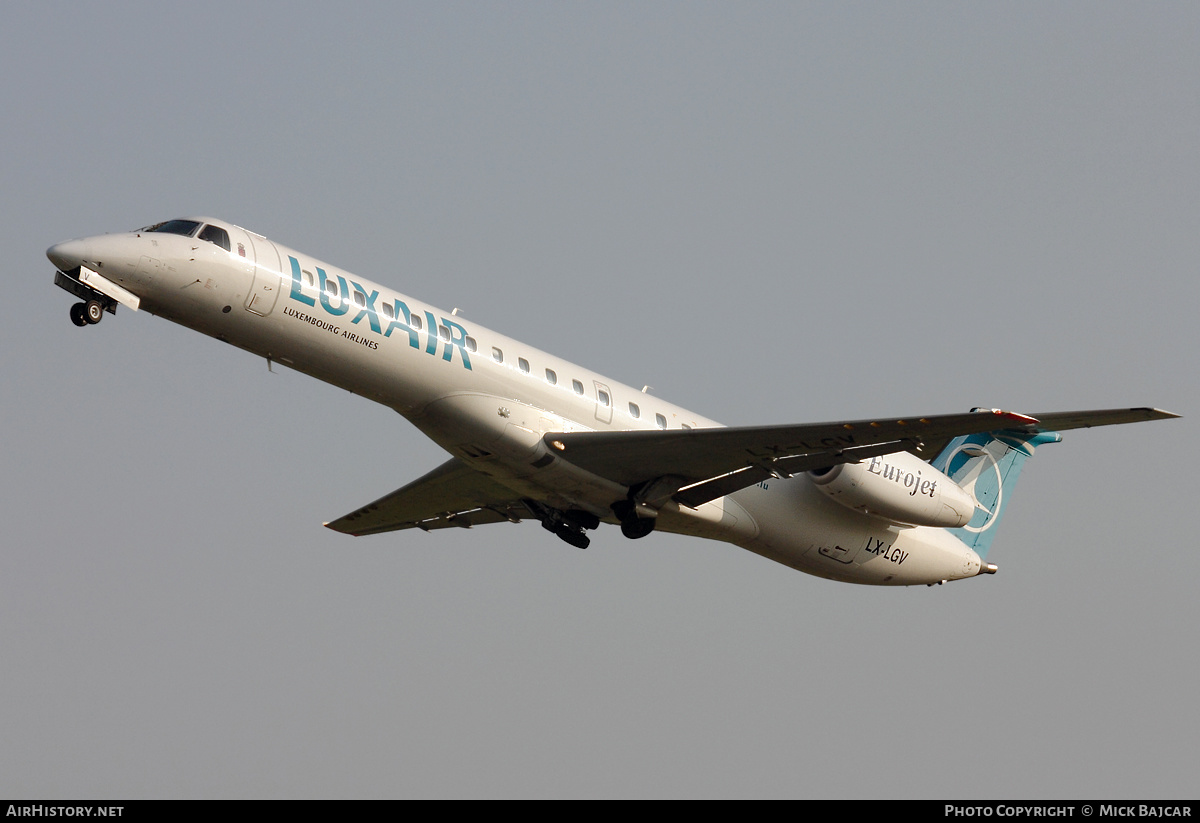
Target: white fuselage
{"points": [[487, 398]]}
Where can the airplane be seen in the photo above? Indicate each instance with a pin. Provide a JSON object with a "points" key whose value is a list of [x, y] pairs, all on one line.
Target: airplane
{"points": [[885, 501]]}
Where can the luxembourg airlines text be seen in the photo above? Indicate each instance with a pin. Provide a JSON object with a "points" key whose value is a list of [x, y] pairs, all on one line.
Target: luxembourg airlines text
{"points": [[446, 331]]}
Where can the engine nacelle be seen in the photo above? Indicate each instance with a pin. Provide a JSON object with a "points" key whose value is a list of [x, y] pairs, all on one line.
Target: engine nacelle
{"points": [[900, 487]]}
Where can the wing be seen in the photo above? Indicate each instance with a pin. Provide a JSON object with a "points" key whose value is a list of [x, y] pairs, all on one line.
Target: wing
{"points": [[694, 466], [629, 457], [453, 494]]}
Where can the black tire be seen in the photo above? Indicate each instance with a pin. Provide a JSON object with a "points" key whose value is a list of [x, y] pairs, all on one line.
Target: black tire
{"points": [[576, 538], [77, 315], [93, 311], [638, 527]]}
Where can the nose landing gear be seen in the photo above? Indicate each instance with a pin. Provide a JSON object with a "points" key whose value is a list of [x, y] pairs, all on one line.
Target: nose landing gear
{"points": [[96, 294], [88, 313]]}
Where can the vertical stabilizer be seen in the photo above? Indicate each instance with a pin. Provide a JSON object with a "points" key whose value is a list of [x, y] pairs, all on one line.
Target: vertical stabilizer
{"points": [[986, 466]]}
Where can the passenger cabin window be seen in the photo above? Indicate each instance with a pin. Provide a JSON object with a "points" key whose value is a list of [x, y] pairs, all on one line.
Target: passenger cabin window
{"points": [[331, 287], [497, 355], [523, 364], [184, 227], [444, 332], [216, 235], [388, 312], [577, 386], [414, 320], [360, 299], [661, 421], [471, 346], [634, 411], [551, 377], [602, 397]]}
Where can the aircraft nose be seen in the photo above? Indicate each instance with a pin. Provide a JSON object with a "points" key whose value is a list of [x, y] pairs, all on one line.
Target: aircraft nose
{"points": [[68, 255]]}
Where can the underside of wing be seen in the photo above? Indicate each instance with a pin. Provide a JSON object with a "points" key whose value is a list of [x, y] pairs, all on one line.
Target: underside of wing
{"points": [[693, 466], [629, 457], [453, 494]]}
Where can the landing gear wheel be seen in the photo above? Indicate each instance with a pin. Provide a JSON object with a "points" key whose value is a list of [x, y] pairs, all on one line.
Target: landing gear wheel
{"points": [[637, 527], [572, 535], [575, 538], [632, 526], [93, 311], [77, 316]]}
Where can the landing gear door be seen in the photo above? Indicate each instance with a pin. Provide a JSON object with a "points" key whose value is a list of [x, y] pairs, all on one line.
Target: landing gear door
{"points": [[267, 274]]}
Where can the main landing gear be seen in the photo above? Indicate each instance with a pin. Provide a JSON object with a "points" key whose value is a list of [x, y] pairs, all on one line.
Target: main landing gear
{"points": [[87, 313], [632, 526], [569, 526]]}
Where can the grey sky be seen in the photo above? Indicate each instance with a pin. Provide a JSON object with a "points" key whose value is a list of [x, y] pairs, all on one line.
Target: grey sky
{"points": [[770, 213]]}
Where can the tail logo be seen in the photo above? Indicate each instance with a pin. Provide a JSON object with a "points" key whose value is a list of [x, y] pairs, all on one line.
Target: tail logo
{"points": [[981, 464], [976, 464]]}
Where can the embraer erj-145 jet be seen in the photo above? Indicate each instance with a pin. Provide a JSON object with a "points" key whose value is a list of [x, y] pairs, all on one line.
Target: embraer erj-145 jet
{"points": [[883, 501]]}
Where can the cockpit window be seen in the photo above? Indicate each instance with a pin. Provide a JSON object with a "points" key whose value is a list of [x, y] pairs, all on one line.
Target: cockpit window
{"points": [[185, 227], [218, 235]]}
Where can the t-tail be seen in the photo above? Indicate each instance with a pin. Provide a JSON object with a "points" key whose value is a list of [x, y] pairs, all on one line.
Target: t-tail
{"points": [[987, 466]]}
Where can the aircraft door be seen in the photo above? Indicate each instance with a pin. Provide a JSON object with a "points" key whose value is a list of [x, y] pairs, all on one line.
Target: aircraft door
{"points": [[604, 403], [267, 275]]}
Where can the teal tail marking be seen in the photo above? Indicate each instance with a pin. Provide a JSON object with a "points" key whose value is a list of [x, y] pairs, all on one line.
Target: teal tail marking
{"points": [[987, 465]]}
